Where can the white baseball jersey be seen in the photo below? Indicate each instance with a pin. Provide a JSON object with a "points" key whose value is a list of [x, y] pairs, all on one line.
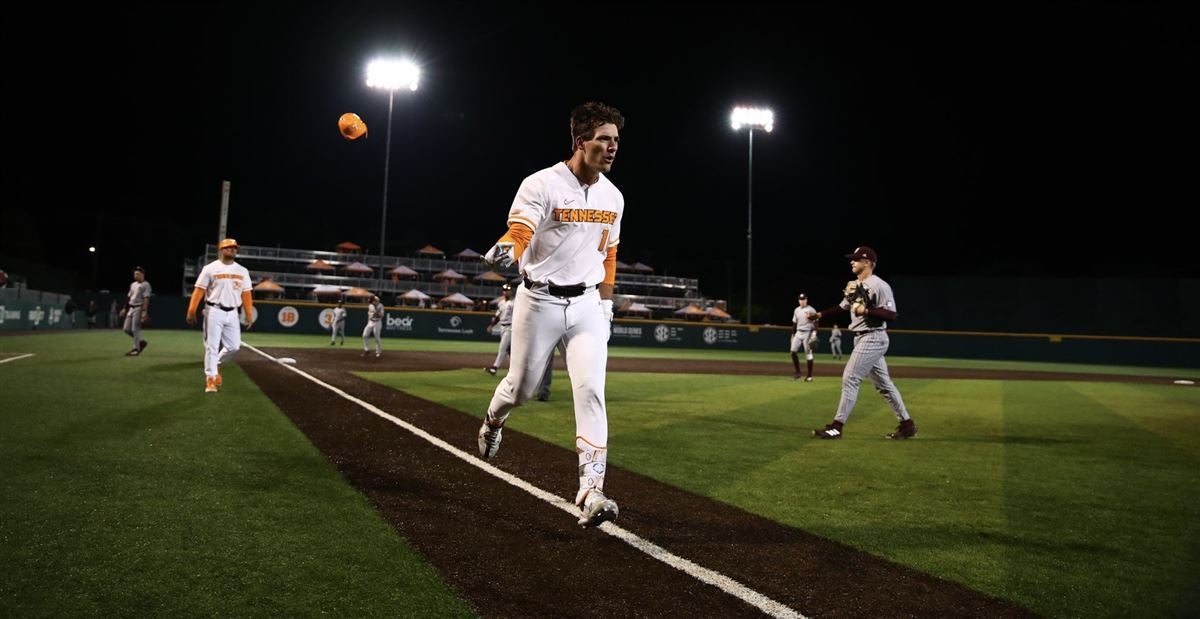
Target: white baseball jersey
{"points": [[339, 315], [800, 319], [374, 312], [138, 292], [879, 293], [504, 312], [224, 283], [574, 224]]}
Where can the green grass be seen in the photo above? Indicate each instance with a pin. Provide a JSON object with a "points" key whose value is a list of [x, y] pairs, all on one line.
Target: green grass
{"points": [[127, 491], [1073, 498], [409, 344]]}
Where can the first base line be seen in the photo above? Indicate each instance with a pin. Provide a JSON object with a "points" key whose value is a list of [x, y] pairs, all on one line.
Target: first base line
{"points": [[28, 354], [703, 574]]}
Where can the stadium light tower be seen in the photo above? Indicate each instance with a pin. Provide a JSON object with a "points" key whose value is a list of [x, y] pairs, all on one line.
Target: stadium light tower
{"points": [[751, 118], [390, 75]]}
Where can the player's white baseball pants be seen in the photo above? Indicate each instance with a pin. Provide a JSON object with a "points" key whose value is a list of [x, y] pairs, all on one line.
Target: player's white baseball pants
{"points": [[373, 330], [133, 325], [222, 329], [867, 358], [505, 345], [803, 340], [539, 321]]}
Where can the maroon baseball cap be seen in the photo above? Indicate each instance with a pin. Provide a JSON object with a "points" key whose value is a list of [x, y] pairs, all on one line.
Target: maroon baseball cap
{"points": [[863, 253]]}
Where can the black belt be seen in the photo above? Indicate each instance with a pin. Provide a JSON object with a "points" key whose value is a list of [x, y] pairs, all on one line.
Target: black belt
{"points": [[128, 305], [559, 291], [227, 309]]}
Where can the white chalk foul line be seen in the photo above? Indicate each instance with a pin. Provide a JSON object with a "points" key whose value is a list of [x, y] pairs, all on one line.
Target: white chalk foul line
{"points": [[703, 574], [28, 354]]}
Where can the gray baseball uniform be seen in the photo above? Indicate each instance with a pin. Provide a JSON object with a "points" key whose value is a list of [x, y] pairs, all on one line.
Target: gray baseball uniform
{"points": [[136, 298], [835, 342], [374, 327], [337, 327], [504, 319], [870, 345]]}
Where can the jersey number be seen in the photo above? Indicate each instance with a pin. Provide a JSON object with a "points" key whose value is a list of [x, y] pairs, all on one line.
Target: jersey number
{"points": [[603, 248]]}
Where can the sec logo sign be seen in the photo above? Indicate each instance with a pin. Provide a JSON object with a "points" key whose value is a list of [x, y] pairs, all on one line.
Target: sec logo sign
{"points": [[288, 316]]}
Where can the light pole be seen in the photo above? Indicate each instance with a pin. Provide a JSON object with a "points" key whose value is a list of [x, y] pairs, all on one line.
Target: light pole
{"points": [[390, 75], [751, 118]]}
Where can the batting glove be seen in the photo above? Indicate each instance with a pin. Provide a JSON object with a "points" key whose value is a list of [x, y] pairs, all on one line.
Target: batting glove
{"points": [[501, 256]]}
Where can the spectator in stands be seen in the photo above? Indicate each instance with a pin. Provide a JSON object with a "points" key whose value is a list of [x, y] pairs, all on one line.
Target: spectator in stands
{"points": [[69, 308], [3, 279]]}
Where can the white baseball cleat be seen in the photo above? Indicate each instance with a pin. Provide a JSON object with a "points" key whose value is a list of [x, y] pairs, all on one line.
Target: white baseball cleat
{"points": [[489, 440], [597, 509]]}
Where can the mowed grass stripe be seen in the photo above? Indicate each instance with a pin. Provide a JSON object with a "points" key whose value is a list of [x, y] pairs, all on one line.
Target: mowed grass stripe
{"points": [[1028, 490], [130, 492]]}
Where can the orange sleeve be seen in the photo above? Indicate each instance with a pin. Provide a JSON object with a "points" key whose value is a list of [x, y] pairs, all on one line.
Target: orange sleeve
{"points": [[248, 305], [519, 235], [610, 266], [197, 297]]}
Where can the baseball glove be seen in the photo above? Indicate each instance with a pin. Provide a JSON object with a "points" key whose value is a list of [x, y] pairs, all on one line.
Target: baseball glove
{"points": [[857, 294]]}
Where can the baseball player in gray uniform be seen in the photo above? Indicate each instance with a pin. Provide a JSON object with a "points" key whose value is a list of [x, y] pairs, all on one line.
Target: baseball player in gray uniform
{"points": [[374, 328], [137, 310], [804, 336], [543, 394], [871, 304], [503, 317], [337, 326], [563, 229], [835, 342]]}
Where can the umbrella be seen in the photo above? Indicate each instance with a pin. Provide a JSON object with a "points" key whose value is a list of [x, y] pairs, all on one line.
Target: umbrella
{"points": [[642, 268], [450, 274], [266, 285], [490, 276], [346, 247], [322, 290], [431, 250], [359, 293], [403, 271], [358, 267], [319, 265], [467, 253], [718, 313], [457, 298]]}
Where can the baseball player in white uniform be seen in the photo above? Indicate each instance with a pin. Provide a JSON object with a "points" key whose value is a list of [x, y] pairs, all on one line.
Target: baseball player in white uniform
{"points": [[871, 304], [804, 336], [374, 328], [337, 326], [563, 229], [224, 287], [503, 317], [137, 310]]}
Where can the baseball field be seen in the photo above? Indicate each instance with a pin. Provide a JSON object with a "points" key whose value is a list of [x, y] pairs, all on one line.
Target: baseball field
{"points": [[348, 486]]}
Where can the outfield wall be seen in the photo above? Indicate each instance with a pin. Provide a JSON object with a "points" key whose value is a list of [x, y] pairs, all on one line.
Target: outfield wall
{"points": [[26, 314], [312, 318]]}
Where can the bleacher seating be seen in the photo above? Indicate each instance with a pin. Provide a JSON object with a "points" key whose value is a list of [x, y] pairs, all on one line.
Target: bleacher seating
{"points": [[288, 268]]}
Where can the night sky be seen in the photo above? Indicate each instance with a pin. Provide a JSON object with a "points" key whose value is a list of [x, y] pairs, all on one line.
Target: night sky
{"points": [[1038, 139]]}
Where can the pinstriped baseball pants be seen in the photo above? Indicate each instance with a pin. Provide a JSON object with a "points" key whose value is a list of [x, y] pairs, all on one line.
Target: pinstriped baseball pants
{"points": [[867, 360]]}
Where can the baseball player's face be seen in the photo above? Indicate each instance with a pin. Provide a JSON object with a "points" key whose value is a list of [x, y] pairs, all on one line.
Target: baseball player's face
{"points": [[802, 302], [228, 254], [600, 151], [138, 276], [858, 266]]}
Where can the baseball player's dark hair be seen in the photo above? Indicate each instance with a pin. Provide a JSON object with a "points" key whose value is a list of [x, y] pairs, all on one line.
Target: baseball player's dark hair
{"points": [[140, 269], [585, 119]]}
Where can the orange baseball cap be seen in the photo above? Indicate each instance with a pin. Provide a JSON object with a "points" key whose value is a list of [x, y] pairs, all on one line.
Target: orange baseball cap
{"points": [[227, 243]]}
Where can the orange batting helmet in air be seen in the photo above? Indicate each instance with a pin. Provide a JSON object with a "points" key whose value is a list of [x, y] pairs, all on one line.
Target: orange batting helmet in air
{"points": [[351, 126], [228, 243]]}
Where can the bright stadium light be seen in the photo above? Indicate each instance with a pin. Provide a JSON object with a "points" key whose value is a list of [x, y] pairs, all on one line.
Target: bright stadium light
{"points": [[751, 118], [92, 249], [390, 75]]}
